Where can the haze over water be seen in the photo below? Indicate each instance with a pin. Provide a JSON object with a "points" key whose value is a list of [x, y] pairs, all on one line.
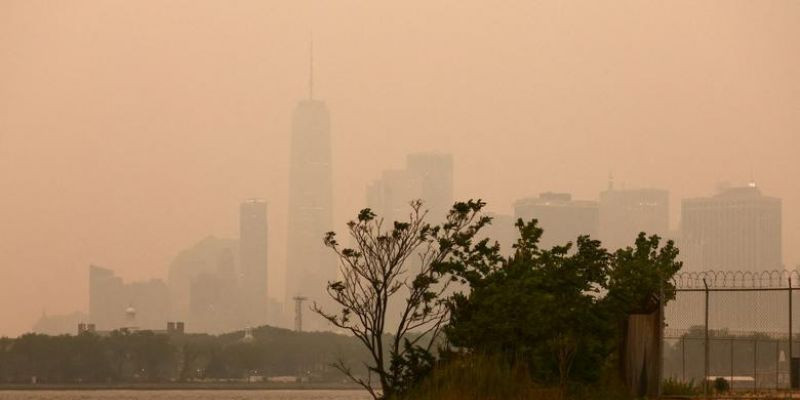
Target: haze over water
{"points": [[186, 395], [130, 130]]}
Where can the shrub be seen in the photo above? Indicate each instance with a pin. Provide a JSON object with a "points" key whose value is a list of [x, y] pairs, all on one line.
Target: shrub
{"points": [[479, 377], [721, 385], [674, 387]]}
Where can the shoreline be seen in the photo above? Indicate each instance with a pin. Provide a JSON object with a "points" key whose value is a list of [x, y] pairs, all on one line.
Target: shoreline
{"points": [[176, 386]]}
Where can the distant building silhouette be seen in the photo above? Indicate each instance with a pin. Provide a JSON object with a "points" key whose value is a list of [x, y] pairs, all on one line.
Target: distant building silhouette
{"points": [[215, 301], [626, 212], [310, 265], [427, 177], [562, 218], [59, 324], [253, 256], [110, 299], [220, 285], [173, 328], [434, 171], [736, 229], [202, 258]]}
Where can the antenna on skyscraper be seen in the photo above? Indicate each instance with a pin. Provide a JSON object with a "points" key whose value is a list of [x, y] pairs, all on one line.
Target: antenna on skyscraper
{"points": [[752, 182], [311, 68], [611, 180]]}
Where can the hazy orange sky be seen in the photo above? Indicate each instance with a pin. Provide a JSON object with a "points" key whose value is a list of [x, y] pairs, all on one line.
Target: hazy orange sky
{"points": [[130, 130]]}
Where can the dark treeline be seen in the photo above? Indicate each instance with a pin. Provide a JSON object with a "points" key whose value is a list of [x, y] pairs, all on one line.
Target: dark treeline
{"points": [[145, 356], [754, 354]]}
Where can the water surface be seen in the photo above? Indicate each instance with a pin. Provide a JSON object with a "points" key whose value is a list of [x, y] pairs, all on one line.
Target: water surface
{"points": [[185, 395]]}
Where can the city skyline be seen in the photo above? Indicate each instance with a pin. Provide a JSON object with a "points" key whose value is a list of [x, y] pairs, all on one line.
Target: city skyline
{"points": [[225, 295], [121, 144]]}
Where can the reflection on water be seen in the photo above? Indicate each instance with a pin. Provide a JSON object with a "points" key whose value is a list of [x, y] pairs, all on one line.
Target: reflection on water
{"points": [[186, 395]]}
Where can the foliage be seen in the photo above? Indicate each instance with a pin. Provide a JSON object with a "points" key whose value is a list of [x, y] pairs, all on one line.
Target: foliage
{"points": [[721, 385], [560, 309], [541, 305], [638, 274], [478, 377], [674, 387], [378, 270]]}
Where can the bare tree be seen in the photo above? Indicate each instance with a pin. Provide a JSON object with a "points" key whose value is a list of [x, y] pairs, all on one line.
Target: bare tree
{"points": [[376, 269]]}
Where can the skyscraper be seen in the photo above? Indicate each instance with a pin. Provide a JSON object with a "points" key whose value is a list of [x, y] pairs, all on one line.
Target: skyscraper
{"points": [[427, 177], [626, 212], [201, 258], [434, 171], [253, 256], [738, 229], [562, 218], [390, 195], [310, 265], [110, 297]]}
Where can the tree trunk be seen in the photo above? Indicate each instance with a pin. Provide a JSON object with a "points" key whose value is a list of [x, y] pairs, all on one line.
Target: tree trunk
{"points": [[639, 356]]}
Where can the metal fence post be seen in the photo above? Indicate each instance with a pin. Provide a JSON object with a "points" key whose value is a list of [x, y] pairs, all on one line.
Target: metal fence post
{"points": [[755, 365], [731, 382], [790, 335], [683, 358], [661, 325], [706, 345]]}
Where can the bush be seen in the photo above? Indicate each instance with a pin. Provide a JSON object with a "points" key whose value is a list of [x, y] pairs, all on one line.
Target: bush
{"points": [[479, 377], [721, 385], [674, 387], [492, 377]]}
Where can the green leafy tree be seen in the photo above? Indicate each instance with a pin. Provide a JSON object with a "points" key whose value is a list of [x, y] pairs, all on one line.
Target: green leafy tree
{"points": [[378, 270], [543, 306], [640, 273], [559, 309]]}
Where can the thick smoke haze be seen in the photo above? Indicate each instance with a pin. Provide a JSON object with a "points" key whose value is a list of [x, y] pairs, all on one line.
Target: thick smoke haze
{"points": [[131, 130]]}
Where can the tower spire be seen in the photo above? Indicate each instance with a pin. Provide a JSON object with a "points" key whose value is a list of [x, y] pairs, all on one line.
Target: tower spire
{"points": [[611, 180], [311, 69]]}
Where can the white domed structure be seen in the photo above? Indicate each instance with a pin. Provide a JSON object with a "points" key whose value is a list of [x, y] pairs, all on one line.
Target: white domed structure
{"points": [[130, 315]]}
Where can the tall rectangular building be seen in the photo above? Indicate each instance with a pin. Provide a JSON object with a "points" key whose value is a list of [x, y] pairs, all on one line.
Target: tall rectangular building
{"points": [[624, 213], [106, 304], [434, 172], [738, 229], [427, 177], [389, 197], [562, 218], [110, 298], [310, 265], [253, 260]]}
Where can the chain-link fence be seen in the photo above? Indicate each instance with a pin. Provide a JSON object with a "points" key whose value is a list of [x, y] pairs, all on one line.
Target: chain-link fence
{"points": [[735, 326]]}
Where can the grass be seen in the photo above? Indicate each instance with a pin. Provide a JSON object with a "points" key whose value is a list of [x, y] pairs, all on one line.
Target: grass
{"points": [[478, 377], [674, 387]]}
